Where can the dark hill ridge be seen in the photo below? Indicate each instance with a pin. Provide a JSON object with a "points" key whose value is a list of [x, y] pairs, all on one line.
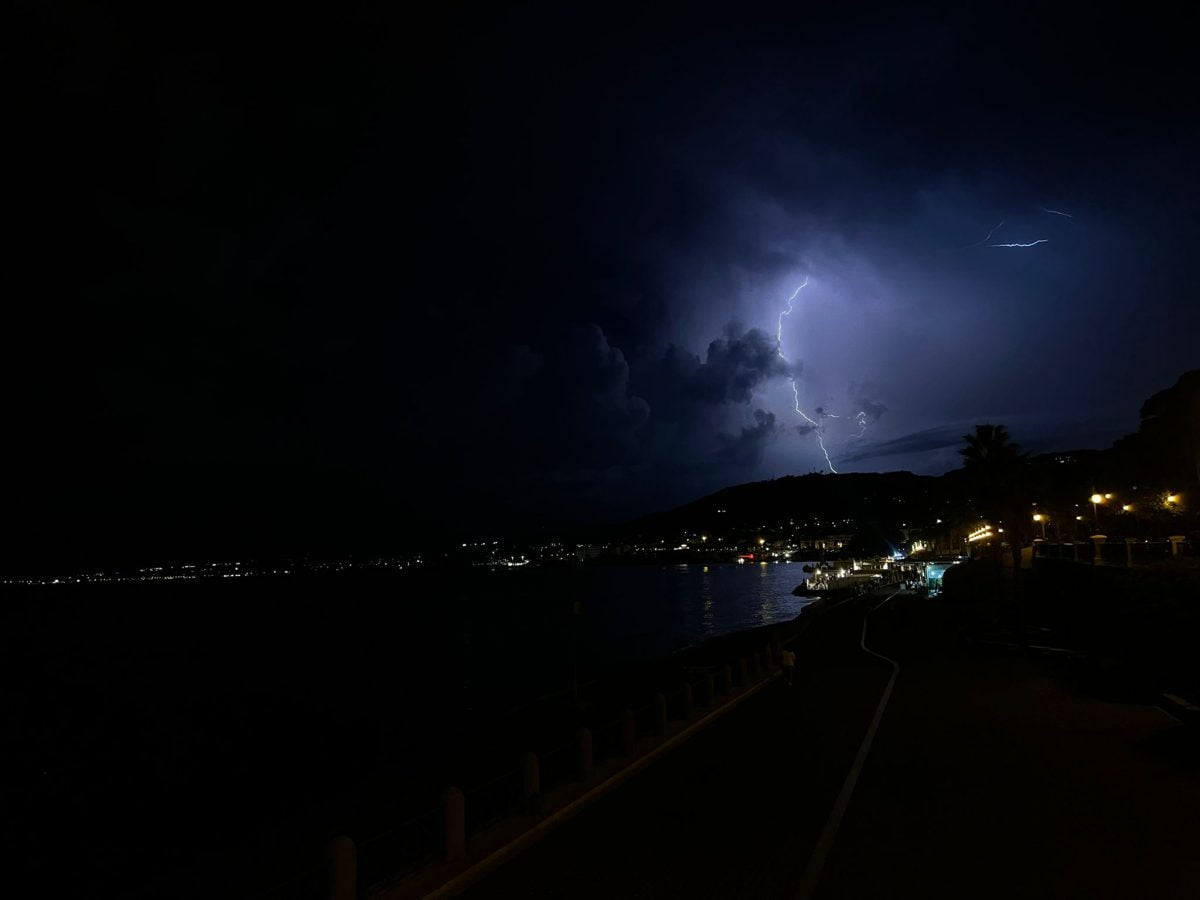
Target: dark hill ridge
{"points": [[1164, 453], [822, 502]]}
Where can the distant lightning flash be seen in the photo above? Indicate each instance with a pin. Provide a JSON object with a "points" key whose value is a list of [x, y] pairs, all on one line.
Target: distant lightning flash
{"points": [[1055, 212], [786, 312], [995, 228], [861, 419], [1030, 244], [796, 390]]}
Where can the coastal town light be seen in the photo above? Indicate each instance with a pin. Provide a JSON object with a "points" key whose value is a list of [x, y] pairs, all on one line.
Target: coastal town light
{"points": [[979, 534]]}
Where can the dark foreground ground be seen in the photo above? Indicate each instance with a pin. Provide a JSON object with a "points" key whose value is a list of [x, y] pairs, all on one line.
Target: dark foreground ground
{"points": [[991, 775]]}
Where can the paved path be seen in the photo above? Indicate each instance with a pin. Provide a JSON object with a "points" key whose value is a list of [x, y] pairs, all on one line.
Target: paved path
{"points": [[995, 779], [987, 778]]}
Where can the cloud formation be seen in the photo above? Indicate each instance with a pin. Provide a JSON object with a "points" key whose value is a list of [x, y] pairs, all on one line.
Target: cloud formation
{"points": [[746, 448], [917, 442]]}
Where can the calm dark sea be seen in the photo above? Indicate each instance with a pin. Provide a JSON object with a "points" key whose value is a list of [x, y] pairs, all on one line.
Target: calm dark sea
{"points": [[161, 708], [626, 614]]}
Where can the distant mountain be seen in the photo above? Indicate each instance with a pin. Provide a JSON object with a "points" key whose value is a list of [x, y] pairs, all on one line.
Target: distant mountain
{"points": [[1163, 454], [813, 502]]}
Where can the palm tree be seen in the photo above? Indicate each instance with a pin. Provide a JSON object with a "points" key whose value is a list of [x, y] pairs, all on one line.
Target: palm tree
{"points": [[990, 450], [999, 473]]}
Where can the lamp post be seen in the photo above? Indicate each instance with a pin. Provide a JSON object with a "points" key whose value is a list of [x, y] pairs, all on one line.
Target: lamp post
{"points": [[1041, 520], [1096, 501]]}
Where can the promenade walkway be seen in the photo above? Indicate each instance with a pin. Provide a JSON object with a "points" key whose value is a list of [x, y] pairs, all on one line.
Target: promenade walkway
{"points": [[988, 777]]}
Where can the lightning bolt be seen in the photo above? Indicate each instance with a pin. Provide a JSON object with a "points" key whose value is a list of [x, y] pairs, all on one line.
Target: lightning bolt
{"points": [[861, 419], [995, 228], [795, 389], [1030, 244], [1055, 212]]}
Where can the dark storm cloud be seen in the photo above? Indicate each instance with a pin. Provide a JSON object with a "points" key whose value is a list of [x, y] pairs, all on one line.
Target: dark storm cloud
{"points": [[746, 448], [219, 235], [863, 402], [917, 442], [736, 364], [579, 400], [577, 394]]}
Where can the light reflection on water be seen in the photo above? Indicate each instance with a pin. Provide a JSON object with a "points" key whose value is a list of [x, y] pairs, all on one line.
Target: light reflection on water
{"points": [[521, 626], [706, 598], [639, 611]]}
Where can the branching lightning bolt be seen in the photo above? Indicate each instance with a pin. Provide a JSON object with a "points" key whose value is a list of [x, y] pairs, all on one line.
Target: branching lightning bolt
{"points": [[995, 228], [861, 419], [1030, 244], [795, 389], [1055, 212]]}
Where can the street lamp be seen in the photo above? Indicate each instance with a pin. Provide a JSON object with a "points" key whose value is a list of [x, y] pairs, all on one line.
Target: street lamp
{"points": [[1041, 520], [1096, 501]]}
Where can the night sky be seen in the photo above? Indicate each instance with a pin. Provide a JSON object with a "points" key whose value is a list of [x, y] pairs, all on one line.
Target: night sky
{"points": [[334, 281]]}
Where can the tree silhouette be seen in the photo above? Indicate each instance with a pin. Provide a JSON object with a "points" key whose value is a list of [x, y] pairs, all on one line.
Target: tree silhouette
{"points": [[990, 450], [997, 469], [999, 473]]}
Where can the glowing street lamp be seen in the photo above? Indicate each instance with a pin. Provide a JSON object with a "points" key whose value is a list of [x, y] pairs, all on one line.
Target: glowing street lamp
{"points": [[1041, 520], [1096, 501]]}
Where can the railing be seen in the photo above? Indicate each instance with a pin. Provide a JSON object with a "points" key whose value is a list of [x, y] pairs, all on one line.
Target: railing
{"points": [[441, 835], [413, 843], [1114, 551]]}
